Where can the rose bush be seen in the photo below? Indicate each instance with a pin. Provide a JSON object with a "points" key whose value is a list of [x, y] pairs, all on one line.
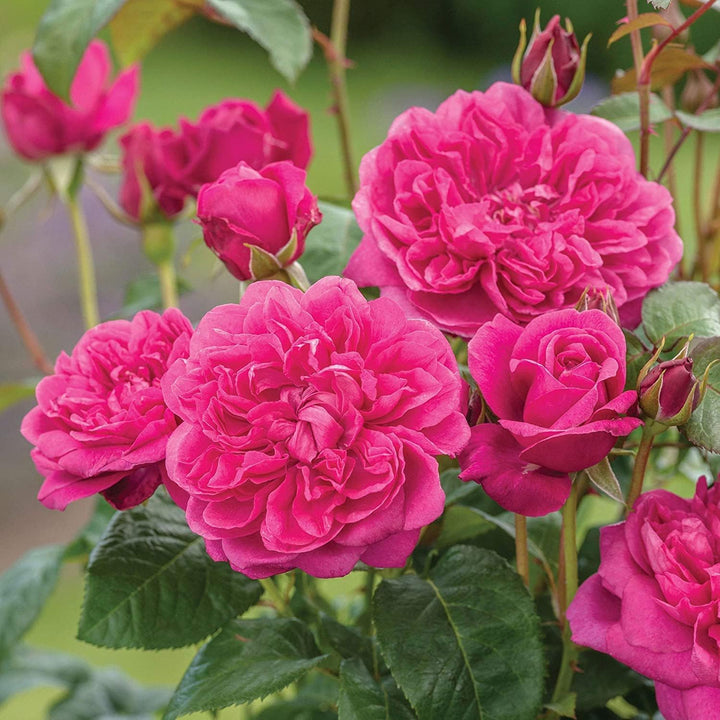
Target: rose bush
{"points": [[266, 209], [101, 424], [39, 124], [176, 163], [310, 425], [654, 603], [493, 205], [557, 388]]}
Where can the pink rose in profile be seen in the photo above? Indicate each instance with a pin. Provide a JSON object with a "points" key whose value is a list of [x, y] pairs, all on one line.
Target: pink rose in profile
{"points": [[311, 425], [39, 124], [269, 209], [494, 205], [101, 424], [654, 603], [176, 163], [557, 389]]}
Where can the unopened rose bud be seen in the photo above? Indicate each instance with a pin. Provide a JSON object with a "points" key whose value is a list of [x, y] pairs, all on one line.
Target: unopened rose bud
{"points": [[698, 91], [256, 221], [552, 68], [598, 299], [674, 15], [669, 393]]}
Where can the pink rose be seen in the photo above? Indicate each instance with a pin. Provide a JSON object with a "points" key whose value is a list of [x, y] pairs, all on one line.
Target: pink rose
{"points": [[39, 124], [493, 205], [311, 425], [654, 603], [176, 163], [266, 208], [101, 424], [556, 387]]}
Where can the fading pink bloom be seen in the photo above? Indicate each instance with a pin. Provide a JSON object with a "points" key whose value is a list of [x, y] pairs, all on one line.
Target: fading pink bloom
{"points": [[654, 603], [311, 425], [494, 205], [39, 124], [557, 389], [101, 425]]}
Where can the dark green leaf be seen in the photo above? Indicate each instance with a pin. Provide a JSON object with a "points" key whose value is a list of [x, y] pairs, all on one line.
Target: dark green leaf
{"points": [[457, 491], [151, 584], [637, 356], [91, 534], [64, 32], [280, 26], [144, 293], [679, 309], [24, 588], [346, 641], [624, 110], [465, 643], [363, 698], [11, 393], [248, 660], [461, 524], [708, 121], [316, 700], [600, 679], [330, 244], [704, 426]]}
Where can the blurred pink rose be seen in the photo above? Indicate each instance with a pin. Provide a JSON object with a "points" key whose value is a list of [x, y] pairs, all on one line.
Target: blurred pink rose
{"points": [[654, 603], [264, 208], [177, 162], [311, 425], [493, 205], [39, 124], [101, 424], [557, 388]]}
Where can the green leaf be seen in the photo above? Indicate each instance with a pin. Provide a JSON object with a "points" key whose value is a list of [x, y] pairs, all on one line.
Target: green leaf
{"points": [[465, 642], [644, 20], [248, 660], [91, 534], [565, 707], [624, 110], [280, 26], [330, 244], [709, 121], [150, 583], [316, 700], [679, 309], [600, 679], [24, 588], [703, 429], [363, 698], [346, 641], [65, 30], [12, 393], [144, 293]]}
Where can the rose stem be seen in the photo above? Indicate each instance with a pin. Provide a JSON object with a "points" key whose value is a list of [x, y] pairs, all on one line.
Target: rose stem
{"points": [[32, 344], [697, 207], [335, 56], [641, 461], [522, 560], [668, 131], [570, 567], [643, 88], [370, 575], [273, 592], [168, 283], [86, 267]]}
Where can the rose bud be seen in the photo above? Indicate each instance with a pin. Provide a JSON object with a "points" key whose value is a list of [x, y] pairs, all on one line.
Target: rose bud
{"points": [[675, 16], [598, 299], [698, 92], [256, 221], [669, 393], [552, 68], [39, 124]]}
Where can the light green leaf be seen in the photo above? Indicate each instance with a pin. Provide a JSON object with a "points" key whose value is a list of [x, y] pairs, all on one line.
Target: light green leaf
{"points": [[151, 584], [624, 110], [465, 642], [12, 393], [280, 26], [248, 660], [703, 429], [65, 30], [709, 121], [144, 293], [604, 479], [24, 589], [330, 244], [660, 4], [680, 309]]}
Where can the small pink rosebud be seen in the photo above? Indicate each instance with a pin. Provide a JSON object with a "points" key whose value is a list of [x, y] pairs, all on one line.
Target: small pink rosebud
{"points": [[552, 68], [256, 221], [669, 393]]}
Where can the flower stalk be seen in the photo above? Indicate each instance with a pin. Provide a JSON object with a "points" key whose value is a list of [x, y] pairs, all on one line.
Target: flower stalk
{"points": [[522, 559], [640, 466], [86, 265]]}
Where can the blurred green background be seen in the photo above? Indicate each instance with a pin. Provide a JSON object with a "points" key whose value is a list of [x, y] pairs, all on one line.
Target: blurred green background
{"points": [[405, 52]]}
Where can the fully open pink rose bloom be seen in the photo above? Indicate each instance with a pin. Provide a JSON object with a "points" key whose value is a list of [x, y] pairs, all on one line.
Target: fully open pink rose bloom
{"points": [[176, 163], [557, 388], [39, 124], [494, 205], [654, 603], [263, 208], [101, 424], [311, 426]]}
